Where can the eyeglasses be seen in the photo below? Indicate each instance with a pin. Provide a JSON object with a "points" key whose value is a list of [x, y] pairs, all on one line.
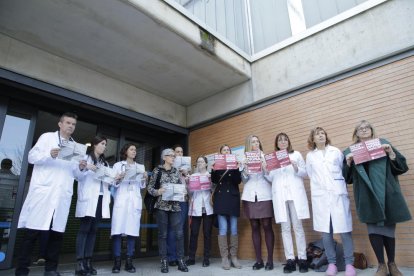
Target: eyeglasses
{"points": [[363, 128], [170, 155]]}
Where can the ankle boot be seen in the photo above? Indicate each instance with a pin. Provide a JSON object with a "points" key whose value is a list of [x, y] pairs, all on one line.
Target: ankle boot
{"points": [[164, 266], [80, 268], [382, 270], [117, 265], [88, 265], [182, 266], [393, 269], [234, 246], [129, 266], [222, 240]]}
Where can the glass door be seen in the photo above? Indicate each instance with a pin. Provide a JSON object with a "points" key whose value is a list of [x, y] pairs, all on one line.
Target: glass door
{"points": [[16, 138]]}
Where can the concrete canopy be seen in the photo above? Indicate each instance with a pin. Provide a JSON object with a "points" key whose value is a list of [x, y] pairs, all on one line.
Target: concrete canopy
{"points": [[129, 41]]}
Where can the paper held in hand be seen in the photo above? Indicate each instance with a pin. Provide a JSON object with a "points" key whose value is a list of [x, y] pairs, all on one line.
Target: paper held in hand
{"points": [[253, 162], [225, 162], [72, 151], [174, 192], [131, 172], [105, 174], [182, 162], [199, 183], [367, 151], [277, 159]]}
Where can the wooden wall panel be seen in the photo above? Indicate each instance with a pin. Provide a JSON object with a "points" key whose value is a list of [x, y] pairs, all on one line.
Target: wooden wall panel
{"points": [[384, 96]]}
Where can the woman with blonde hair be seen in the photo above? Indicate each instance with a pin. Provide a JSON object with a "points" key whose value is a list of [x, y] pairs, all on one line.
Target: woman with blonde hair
{"points": [[257, 205], [378, 197], [330, 201]]}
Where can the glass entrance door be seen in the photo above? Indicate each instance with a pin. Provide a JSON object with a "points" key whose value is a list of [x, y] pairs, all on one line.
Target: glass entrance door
{"points": [[16, 137]]}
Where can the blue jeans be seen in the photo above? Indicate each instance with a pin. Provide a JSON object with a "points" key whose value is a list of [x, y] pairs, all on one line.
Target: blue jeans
{"points": [[116, 245], [223, 225], [171, 241], [167, 219]]}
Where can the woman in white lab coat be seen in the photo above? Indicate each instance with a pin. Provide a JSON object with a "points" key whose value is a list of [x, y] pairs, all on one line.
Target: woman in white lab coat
{"points": [[126, 214], [200, 209], [257, 206], [330, 201], [91, 207], [290, 203]]}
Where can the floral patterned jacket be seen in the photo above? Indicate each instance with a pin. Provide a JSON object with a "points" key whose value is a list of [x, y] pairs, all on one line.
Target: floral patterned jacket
{"points": [[167, 176]]}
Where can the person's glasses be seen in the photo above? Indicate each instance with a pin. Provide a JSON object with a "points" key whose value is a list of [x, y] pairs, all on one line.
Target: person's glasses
{"points": [[170, 155], [364, 128]]}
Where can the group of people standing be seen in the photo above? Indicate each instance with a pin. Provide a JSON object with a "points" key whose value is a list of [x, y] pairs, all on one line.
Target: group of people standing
{"points": [[278, 194]]}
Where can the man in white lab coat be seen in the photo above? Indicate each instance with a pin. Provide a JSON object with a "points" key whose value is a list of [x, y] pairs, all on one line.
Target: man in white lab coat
{"points": [[47, 204]]}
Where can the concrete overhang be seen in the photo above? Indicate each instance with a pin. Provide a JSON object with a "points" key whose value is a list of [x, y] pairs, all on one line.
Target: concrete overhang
{"points": [[144, 43]]}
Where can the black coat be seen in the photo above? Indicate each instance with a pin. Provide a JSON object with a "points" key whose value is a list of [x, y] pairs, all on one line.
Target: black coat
{"points": [[226, 195]]}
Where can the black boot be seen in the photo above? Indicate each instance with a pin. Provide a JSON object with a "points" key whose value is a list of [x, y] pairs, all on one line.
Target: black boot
{"points": [[81, 269], [182, 266], [128, 265], [117, 265], [164, 266], [88, 266]]}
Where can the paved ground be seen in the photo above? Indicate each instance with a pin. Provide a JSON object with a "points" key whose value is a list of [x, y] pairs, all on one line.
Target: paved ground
{"points": [[150, 266]]}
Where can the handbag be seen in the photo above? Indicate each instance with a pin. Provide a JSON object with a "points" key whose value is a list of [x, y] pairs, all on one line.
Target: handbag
{"points": [[360, 261], [149, 200]]}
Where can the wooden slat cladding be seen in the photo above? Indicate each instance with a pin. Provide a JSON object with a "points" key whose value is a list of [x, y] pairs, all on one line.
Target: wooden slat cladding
{"points": [[384, 96]]}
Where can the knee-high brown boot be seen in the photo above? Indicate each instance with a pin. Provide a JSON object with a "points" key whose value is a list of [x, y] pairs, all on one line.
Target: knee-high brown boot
{"points": [[224, 252], [234, 246]]}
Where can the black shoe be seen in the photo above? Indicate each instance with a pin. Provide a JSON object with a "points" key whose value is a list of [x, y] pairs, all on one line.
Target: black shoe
{"points": [[182, 266], [206, 262], [258, 266], [80, 268], [51, 273], [190, 262], [129, 266], [290, 266], [173, 263], [117, 265], [88, 265], [303, 266], [164, 266], [269, 266]]}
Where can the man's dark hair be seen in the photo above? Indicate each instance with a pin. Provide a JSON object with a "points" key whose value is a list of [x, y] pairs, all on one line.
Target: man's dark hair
{"points": [[68, 114]]}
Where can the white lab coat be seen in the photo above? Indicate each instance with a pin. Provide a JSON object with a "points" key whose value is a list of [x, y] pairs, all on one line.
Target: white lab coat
{"points": [[200, 199], [126, 214], [288, 185], [328, 188], [88, 195], [51, 187], [256, 185]]}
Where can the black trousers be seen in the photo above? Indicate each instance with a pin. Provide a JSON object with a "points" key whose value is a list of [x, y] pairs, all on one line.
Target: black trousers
{"points": [[85, 240], [53, 247], [195, 229]]}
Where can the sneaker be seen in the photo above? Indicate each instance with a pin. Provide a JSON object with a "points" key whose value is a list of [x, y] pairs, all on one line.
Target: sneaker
{"points": [[350, 270], [332, 270], [290, 266]]}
